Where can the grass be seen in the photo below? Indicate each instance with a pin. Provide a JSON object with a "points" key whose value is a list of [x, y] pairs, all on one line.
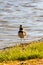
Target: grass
{"points": [[27, 62], [22, 52]]}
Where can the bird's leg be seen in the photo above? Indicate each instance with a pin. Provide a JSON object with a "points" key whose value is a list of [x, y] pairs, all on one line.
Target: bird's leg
{"points": [[21, 40], [24, 40]]}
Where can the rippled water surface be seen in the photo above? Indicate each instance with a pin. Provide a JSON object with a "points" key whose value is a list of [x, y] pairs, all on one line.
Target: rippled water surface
{"points": [[29, 13]]}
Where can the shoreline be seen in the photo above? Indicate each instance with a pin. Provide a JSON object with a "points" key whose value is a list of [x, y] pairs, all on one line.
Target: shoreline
{"points": [[40, 40], [22, 52]]}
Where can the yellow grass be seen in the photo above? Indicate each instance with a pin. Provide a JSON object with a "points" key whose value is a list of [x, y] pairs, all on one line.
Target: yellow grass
{"points": [[26, 62], [24, 54]]}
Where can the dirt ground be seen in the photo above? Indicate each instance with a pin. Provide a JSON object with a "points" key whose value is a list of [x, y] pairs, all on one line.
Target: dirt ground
{"points": [[27, 62]]}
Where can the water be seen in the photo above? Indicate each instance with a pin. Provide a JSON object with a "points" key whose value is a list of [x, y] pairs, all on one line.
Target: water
{"points": [[29, 13]]}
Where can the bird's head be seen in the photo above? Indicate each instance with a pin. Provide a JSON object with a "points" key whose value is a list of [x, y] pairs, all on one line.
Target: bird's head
{"points": [[21, 28]]}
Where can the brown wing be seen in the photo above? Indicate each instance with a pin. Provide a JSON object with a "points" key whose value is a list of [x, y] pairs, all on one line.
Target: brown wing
{"points": [[21, 35], [24, 33]]}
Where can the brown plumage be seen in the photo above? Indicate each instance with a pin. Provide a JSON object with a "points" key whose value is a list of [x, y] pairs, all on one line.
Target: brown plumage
{"points": [[21, 32]]}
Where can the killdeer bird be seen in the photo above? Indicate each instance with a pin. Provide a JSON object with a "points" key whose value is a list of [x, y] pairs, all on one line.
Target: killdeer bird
{"points": [[21, 32]]}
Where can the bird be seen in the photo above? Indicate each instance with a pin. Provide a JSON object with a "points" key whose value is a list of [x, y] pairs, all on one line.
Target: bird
{"points": [[22, 33]]}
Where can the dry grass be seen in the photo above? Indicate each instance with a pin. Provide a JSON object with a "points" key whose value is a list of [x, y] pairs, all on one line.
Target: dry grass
{"points": [[24, 54], [27, 62]]}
